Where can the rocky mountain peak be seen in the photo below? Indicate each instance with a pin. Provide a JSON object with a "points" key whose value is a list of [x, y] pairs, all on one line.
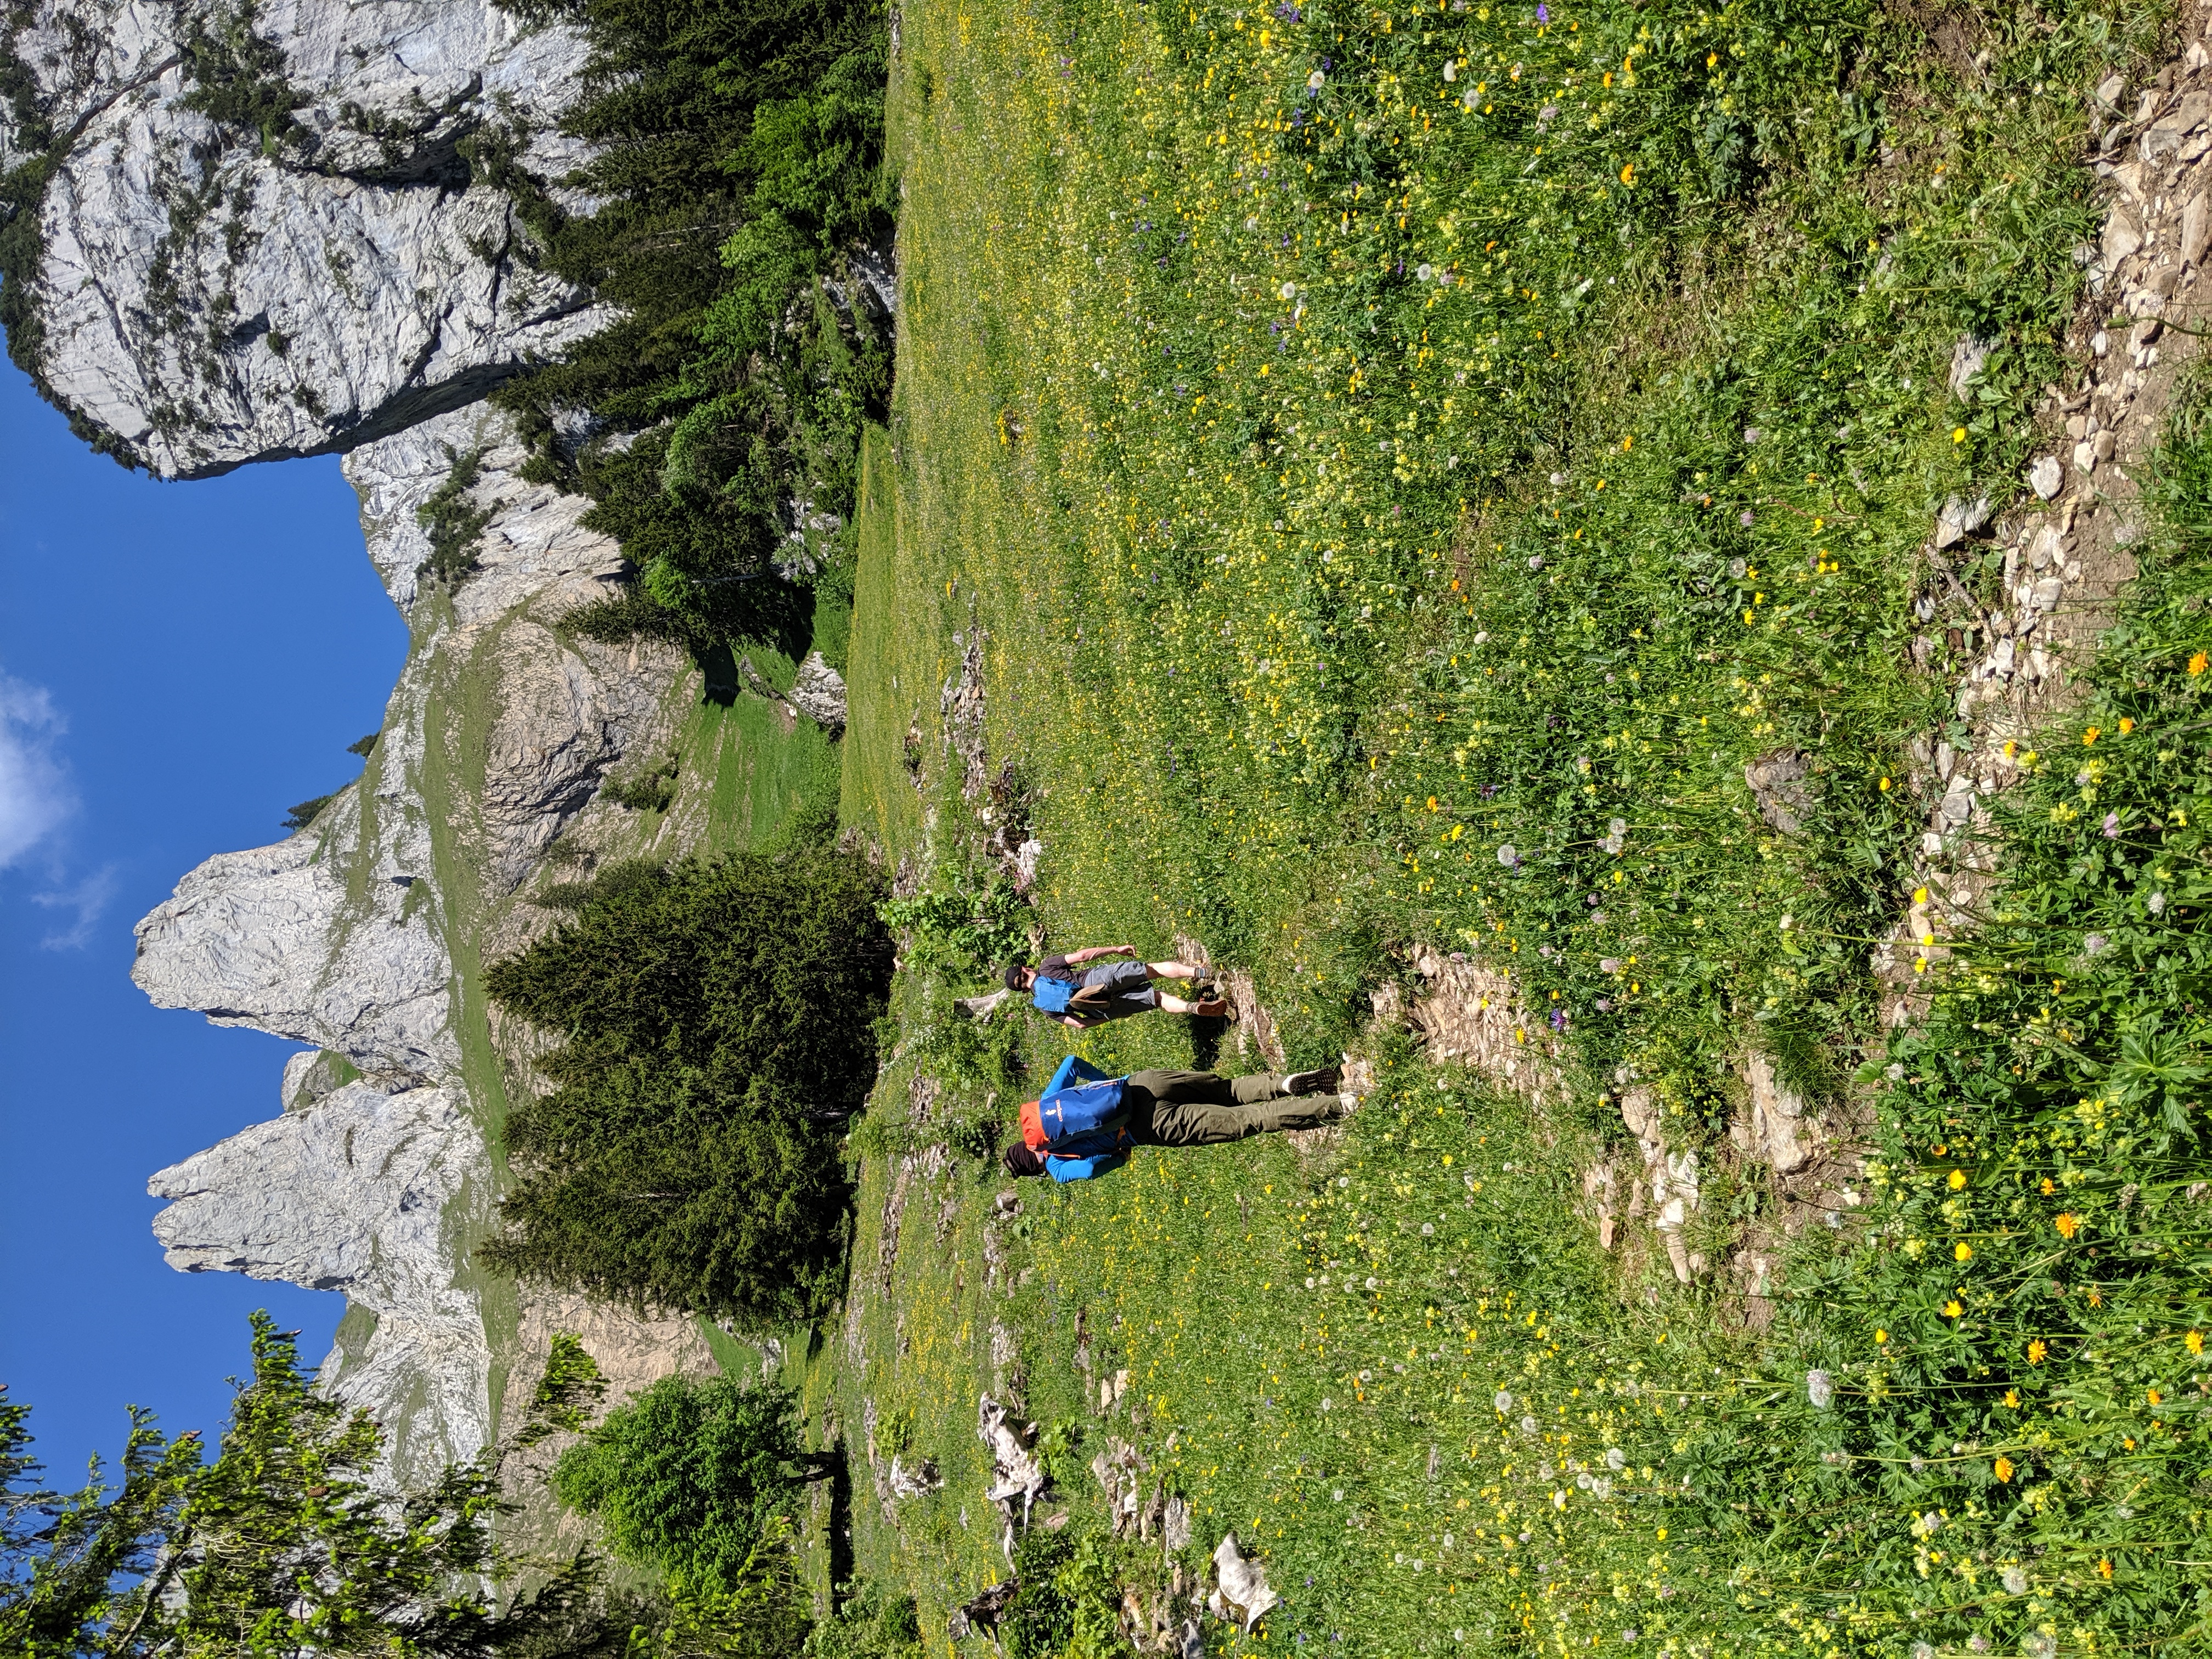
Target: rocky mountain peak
{"points": [[281, 228]]}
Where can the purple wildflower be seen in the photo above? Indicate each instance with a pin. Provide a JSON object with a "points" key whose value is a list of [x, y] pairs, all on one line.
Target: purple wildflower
{"points": [[1744, 517], [2111, 825], [1558, 1019], [1543, 13]]}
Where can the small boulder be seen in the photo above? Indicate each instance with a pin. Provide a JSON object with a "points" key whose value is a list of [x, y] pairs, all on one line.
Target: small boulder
{"points": [[1244, 1595], [1967, 358], [819, 693], [1774, 1129], [1778, 782], [914, 1482], [2122, 236], [1959, 517], [1175, 1526]]}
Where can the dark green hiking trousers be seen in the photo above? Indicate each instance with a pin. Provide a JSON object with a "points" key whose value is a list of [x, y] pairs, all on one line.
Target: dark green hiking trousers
{"points": [[1198, 1109]]}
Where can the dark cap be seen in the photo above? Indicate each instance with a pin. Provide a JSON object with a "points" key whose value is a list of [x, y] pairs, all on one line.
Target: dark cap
{"points": [[1021, 1161]]}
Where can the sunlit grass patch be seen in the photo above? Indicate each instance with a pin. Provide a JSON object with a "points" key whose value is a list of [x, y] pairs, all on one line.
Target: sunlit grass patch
{"points": [[1396, 517]]}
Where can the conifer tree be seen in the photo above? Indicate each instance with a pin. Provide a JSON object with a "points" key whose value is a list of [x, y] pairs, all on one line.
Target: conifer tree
{"points": [[717, 1021]]}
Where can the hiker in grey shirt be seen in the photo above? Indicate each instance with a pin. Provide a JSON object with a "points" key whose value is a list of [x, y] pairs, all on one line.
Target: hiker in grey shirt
{"points": [[1084, 996]]}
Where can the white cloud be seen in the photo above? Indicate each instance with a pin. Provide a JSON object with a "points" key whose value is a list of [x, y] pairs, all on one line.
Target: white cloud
{"points": [[88, 899], [35, 794]]}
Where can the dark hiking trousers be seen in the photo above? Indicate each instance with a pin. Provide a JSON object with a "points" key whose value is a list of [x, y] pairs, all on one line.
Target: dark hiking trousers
{"points": [[1198, 1109]]}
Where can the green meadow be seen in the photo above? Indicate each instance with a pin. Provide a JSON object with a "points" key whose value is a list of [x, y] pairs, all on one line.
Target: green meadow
{"points": [[1393, 469]]}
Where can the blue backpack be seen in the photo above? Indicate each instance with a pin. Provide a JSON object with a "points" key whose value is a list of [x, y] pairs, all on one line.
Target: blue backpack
{"points": [[1081, 1113], [1052, 995]]}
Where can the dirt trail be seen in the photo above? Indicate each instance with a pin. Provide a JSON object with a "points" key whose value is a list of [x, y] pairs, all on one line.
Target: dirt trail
{"points": [[2067, 540]]}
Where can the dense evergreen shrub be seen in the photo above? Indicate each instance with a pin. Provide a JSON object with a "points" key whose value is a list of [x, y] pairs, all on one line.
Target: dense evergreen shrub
{"points": [[717, 1018], [687, 1478]]}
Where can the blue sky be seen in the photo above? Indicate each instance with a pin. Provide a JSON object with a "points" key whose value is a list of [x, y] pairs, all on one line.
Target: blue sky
{"points": [[179, 665]]}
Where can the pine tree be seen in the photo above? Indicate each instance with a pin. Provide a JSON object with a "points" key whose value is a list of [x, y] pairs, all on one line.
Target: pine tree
{"points": [[717, 1020], [284, 1546]]}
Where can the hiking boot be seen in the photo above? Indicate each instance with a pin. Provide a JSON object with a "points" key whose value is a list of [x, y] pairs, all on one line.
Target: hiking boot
{"points": [[1214, 1008], [1321, 1082], [1342, 1108]]}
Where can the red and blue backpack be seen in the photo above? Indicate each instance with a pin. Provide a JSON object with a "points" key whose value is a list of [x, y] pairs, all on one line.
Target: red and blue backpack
{"points": [[1080, 1114]]}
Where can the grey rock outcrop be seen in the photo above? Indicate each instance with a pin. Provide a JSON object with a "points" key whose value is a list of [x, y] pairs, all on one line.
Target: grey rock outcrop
{"points": [[358, 1194], [819, 693], [247, 938], [208, 295], [339, 935]]}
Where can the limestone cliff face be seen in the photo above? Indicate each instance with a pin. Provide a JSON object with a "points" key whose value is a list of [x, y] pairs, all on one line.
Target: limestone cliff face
{"points": [[362, 935], [368, 1193], [337, 277], [265, 233]]}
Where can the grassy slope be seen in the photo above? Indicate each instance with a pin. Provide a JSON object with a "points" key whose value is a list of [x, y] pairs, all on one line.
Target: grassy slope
{"points": [[1289, 654]]}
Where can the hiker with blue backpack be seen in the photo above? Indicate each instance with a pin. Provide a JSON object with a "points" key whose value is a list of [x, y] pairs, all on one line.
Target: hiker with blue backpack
{"points": [[1085, 1123], [1084, 996]]}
